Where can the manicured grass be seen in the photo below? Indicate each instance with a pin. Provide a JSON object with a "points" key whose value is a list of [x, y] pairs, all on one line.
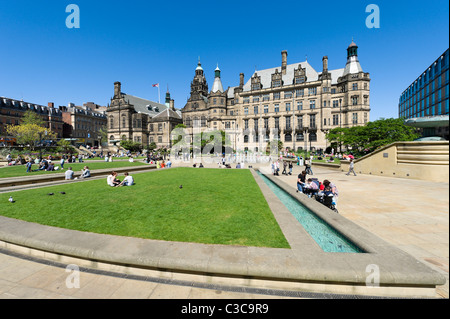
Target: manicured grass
{"points": [[17, 171], [214, 206]]}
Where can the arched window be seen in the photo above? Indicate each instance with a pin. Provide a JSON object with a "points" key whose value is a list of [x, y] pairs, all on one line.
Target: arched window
{"points": [[124, 121], [203, 121], [313, 137], [288, 138], [111, 122]]}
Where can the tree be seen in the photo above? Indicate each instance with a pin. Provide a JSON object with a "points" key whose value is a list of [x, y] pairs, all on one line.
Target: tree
{"points": [[65, 146], [30, 131], [131, 146], [366, 139]]}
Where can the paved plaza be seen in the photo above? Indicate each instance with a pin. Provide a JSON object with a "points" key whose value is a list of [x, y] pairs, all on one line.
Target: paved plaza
{"points": [[411, 215]]}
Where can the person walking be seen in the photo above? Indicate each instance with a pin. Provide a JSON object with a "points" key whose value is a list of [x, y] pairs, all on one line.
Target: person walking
{"points": [[308, 169], [352, 168]]}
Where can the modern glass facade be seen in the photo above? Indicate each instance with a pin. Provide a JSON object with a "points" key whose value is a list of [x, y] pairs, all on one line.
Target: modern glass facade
{"points": [[428, 94]]}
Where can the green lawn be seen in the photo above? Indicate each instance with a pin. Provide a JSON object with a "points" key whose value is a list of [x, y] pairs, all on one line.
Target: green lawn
{"points": [[17, 171], [215, 206]]}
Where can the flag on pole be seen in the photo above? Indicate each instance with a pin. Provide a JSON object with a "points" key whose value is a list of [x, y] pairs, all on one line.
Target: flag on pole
{"points": [[156, 85]]}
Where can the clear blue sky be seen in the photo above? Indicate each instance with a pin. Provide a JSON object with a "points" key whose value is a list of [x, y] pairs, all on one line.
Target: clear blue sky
{"points": [[141, 43]]}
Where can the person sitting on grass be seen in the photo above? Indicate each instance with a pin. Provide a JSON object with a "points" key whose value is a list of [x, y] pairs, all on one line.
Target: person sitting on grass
{"points": [[127, 181], [50, 167], [85, 172], [112, 179]]}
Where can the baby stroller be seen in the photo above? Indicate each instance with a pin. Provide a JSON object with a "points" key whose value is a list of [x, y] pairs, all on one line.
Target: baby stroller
{"points": [[327, 199]]}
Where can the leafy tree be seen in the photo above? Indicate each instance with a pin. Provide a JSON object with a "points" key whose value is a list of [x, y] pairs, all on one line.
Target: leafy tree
{"points": [[65, 146], [366, 139], [30, 131], [131, 146]]}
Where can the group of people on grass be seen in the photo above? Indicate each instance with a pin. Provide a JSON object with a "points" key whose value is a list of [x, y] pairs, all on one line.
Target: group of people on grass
{"points": [[113, 180]]}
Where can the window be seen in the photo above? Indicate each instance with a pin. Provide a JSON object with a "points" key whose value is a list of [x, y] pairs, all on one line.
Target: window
{"points": [[355, 118], [355, 86], [214, 101], [288, 122], [288, 95], [312, 137], [288, 107], [255, 109], [276, 96], [299, 93], [276, 83], [111, 122], [336, 119], [312, 91], [245, 110], [288, 138], [299, 121], [312, 104], [312, 121], [159, 139], [300, 80], [266, 97], [299, 105], [354, 100], [256, 86], [124, 121], [266, 109], [300, 137], [245, 124], [266, 123], [160, 127], [277, 108], [335, 103], [277, 123], [255, 99]]}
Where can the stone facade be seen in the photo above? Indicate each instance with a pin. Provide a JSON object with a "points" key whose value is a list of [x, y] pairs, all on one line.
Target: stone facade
{"points": [[11, 111], [84, 123], [293, 103], [140, 120]]}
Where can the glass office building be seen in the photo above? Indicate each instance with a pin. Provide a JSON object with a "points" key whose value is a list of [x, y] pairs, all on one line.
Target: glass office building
{"points": [[427, 96]]}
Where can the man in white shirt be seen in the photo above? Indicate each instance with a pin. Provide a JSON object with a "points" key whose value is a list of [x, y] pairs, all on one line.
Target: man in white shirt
{"points": [[69, 174], [127, 181]]}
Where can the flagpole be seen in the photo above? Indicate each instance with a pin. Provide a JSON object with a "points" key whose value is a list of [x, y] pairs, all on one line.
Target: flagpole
{"points": [[159, 95]]}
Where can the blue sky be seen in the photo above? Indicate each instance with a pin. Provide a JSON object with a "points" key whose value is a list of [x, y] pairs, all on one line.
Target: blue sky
{"points": [[141, 43]]}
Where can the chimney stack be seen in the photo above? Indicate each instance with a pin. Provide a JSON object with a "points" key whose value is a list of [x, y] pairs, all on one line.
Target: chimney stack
{"points": [[241, 80], [325, 64], [283, 61], [117, 89]]}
